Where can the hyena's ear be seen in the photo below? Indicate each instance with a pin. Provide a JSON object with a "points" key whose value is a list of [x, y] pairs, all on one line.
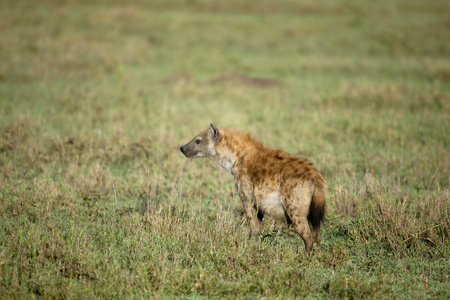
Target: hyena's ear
{"points": [[216, 133]]}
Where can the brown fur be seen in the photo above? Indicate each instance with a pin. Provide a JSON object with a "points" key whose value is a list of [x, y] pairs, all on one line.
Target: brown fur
{"points": [[269, 181]]}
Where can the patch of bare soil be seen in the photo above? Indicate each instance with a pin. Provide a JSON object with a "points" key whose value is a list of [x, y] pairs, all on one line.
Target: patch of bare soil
{"points": [[181, 76], [233, 78], [245, 80]]}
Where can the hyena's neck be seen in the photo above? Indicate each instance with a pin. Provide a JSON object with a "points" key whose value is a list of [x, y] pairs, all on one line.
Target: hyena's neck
{"points": [[225, 158], [232, 147]]}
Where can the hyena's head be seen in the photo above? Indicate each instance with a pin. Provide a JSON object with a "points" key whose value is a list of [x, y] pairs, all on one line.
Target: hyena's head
{"points": [[203, 145]]}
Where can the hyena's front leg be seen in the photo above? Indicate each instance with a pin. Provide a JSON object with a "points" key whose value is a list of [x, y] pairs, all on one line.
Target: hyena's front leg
{"points": [[254, 217]]}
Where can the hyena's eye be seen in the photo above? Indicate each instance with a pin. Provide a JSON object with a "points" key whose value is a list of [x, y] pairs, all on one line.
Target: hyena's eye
{"points": [[197, 142]]}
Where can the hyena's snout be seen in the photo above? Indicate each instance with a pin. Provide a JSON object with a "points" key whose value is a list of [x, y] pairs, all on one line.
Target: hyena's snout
{"points": [[191, 150], [187, 151], [183, 149]]}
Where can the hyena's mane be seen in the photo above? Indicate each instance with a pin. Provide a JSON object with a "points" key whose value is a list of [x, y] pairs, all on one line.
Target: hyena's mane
{"points": [[237, 141]]}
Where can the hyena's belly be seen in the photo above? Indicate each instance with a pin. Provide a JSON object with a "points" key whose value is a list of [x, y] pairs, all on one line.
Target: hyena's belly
{"points": [[271, 205]]}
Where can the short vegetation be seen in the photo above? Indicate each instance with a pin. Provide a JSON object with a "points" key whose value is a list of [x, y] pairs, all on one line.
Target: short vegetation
{"points": [[97, 201]]}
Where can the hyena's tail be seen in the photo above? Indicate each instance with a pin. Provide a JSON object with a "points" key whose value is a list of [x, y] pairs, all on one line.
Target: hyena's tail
{"points": [[317, 208]]}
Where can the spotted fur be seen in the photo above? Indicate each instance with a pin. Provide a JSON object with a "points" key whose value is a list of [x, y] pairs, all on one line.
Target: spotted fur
{"points": [[269, 182]]}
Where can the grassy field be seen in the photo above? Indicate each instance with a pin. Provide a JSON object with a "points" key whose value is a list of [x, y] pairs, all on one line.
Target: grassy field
{"points": [[96, 200]]}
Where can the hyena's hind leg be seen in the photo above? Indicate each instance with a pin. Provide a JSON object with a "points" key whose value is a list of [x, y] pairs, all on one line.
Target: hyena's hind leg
{"points": [[297, 208], [298, 217], [302, 227]]}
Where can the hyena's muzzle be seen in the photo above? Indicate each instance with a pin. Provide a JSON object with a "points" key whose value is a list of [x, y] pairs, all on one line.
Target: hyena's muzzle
{"points": [[183, 150], [191, 150]]}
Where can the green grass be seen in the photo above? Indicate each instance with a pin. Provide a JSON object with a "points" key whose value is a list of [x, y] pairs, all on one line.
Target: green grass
{"points": [[97, 201]]}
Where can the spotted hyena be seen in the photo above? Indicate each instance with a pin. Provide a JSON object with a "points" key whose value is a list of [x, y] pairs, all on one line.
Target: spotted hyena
{"points": [[287, 188]]}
